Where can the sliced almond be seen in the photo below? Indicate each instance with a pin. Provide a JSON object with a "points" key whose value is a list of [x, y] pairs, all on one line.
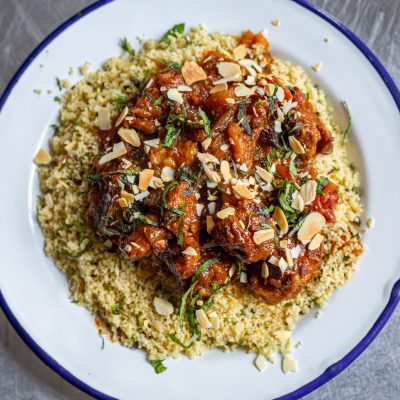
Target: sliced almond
{"points": [[167, 174], [282, 264], [175, 95], [192, 72], [296, 146], [152, 142], [243, 277], [103, 118], [122, 116], [214, 319], [118, 150], [163, 307], [264, 270], [263, 235], [308, 191], [207, 158], [261, 362], [264, 174], [283, 244], [206, 143], [189, 251], [123, 203], [280, 218], [226, 171], [315, 242], [289, 365], [232, 78], [239, 52], [243, 191], [156, 183], [210, 223], [298, 203], [129, 197], [226, 212], [48, 198], [130, 136], [313, 223], [288, 256], [219, 88], [42, 157], [280, 94], [145, 178], [273, 260], [202, 319], [243, 91], [184, 88], [211, 175], [226, 69]]}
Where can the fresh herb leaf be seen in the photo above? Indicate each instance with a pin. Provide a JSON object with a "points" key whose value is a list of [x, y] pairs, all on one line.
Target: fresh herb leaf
{"points": [[285, 196], [174, 31], [158, 366], [206, 122], [158, 101], [59, 84], [353, 168], [185, 174], [116, 309], [297, 225], [203, 267], [124, 43], [347, 130], [57, 99], [55, 127], [322, 182], [117, 171], [178, 342], [81, 231], [146, 220], [243, 120], [292, 167], [173, 64], [168, 188], [144, 81], [180, 230], [184, 300]]}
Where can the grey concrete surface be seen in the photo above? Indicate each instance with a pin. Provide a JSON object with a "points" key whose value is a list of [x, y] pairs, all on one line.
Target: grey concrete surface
{"points": [[23, 24]]}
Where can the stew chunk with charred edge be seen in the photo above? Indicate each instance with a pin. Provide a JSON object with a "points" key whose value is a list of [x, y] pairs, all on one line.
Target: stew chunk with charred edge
{"points": [[213, 160]]}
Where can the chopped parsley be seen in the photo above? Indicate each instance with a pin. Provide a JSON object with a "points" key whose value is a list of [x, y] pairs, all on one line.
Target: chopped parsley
{"points": [[322, 182], [173, 64], [126, 46], [206, 122], [158, 366], [348, 127], [178, 342], [116, 309], [117, 171], [176, 30], [185, 174], [242, 118], [158, 101], [59, 84], [297, 225], [145, 80]]}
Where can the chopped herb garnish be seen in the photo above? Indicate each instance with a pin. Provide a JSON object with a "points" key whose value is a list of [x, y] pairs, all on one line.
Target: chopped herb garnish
{"points": [[174, 31], [81, 231], [242, 118], [292, 167], [158, 366], [346, 258], [180, 230], [206, 122], [168, 188], [322, 182], [117, 171], [353, 167], [116, 309], [55, 127], [178, 342], [146, 220], [158, 101], [185, 174], [145, 80], [120, 101], [124, 43], [59, 84], [285, 196], [297, 225], [173, 64], [57, 99], [347, 130]]}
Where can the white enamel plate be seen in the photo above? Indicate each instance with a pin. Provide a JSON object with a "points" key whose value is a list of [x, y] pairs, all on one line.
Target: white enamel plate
{"points": [[34, 294]]}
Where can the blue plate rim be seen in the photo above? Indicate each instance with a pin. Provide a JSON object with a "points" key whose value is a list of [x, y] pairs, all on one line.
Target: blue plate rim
{"points": [[332, 370]]}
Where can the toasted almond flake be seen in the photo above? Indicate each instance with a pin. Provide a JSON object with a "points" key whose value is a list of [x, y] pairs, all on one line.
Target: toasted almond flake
{"points": [[192, 72], [280, 94], [243, 277], [42, 157], [264, 270], [282, 264], [49, 200], [295, 251], [211, 175], [289, 365], [239, 52], [184, 88], [174, 95], [156, 183], [210, 223], [122, 116], [317, 67], [263, 235], [212, 207], [261, 362], [264, 174], [145, 178], [243, 91], [233, 78], [226, 69], [135, 189], [130, 136], [103, 118], [123, 203], [242, 224], [370, 223], [152, 142], [273, 260], [226, 212], [219, 88], [280, 218], [224, 147], [243, 191], [269, 88], [214, 319], [277, 126], [202, 319], [250, 65], [207, 158], [308, 191], [225, 171], [141, 196], [212, 197], [283, 244], [289, 258], [163, 307], [232, 270], [189, 251], [298, 202], [288, 105], [295, 145], [283, 335], [313, 223], [230, 100], [167, 174], [276, 22], [206, 143], [315, 242], [199, 208], [118, 150], [251, 81], [129, 197]]}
